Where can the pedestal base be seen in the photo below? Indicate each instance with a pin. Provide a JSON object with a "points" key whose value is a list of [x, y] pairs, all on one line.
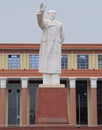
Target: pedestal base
{"points": [[51, 106], [51, 86]]}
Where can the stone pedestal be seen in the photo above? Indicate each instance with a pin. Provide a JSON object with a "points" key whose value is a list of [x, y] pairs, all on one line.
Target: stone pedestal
{"points": [[51, 105], [51, 86]]}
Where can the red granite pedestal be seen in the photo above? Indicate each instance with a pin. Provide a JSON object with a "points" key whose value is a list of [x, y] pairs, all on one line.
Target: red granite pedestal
{"points": [[51, 106]]}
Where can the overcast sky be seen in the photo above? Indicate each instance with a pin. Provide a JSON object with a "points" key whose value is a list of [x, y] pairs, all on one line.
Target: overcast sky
{"points": [[81, 19]]}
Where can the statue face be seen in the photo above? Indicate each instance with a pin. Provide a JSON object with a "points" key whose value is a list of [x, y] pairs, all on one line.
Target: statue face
{"points": [[51, 14]]}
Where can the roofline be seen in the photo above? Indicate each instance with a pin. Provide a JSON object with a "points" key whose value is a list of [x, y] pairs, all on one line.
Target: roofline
{"points": [[65, 46]]}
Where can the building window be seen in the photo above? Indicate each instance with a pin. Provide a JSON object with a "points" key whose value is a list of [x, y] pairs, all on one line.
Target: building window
{"points": [[64, 61], [33, 61], [14, 61], [81, 102], [99, 61], [82, 61]]}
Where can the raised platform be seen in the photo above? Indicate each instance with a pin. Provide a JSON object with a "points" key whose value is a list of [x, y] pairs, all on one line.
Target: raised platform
{"points": [[51, 106], [52, 86], [52, 127]]}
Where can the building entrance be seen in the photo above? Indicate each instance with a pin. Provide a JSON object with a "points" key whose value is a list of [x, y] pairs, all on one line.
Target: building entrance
{"points": [[13, 102], [99, 102], [33, 85], [81, 102]]}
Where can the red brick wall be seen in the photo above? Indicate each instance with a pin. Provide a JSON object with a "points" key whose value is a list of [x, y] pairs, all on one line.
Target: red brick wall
{"points": [[94, 106], [51, 128], [24, 106], [72, 120], [51, 105], [2, 106]]}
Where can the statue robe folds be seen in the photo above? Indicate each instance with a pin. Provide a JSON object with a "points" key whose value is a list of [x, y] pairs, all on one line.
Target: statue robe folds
{"points": [[50, 47]]}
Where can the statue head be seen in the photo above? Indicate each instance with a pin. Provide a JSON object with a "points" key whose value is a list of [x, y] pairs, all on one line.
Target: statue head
{"points": [[51, 14]]}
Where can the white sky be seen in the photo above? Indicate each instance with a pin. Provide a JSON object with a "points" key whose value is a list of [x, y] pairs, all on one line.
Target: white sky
{"points": [[81, 19]]}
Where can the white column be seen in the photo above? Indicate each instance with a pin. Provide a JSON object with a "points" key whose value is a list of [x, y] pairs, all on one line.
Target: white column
{"points": [[3, 82], [24, 101], [72, 101], [24, 81], [3, 100], [93, 82], [93, 101], [72, 82]]}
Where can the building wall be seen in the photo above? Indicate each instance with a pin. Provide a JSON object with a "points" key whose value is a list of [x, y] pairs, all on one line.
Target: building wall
{"points": [[69, 75], [24, 60]]}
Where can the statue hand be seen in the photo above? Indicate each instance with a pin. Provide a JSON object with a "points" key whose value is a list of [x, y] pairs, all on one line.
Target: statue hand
{"points": [[42, 8]]}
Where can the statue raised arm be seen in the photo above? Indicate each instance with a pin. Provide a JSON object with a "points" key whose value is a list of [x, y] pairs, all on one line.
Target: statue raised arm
{"points": [[40, 15]]}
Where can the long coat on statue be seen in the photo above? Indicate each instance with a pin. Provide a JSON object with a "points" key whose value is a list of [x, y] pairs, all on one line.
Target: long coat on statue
{"points": [[50, 47]]}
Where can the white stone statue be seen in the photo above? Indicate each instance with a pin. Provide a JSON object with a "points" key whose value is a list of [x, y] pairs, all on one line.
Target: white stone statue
{"points": [[50, 47]]}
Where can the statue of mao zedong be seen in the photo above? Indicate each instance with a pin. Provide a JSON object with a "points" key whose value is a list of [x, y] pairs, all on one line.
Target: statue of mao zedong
{"points": [[50, 47]]}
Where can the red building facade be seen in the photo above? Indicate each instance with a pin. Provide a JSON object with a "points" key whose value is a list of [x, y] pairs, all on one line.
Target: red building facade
{"points": [[19, 83]]}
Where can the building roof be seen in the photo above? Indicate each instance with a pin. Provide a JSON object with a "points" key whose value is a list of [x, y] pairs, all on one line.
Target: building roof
{"points": [[68, 46]]}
